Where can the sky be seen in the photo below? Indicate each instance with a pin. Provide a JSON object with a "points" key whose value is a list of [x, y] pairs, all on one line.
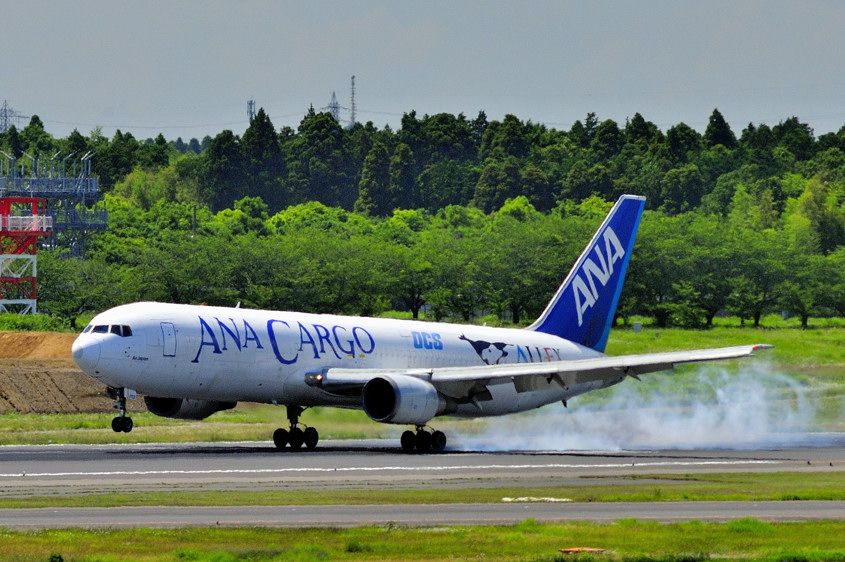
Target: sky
{"points": [[187, 68]]}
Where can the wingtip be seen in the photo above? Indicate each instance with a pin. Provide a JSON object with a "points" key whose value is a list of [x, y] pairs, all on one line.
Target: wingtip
{"points": [[759, 346]]}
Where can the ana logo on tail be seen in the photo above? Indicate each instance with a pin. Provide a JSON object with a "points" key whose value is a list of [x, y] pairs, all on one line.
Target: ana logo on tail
{"points": [[584, 287]]}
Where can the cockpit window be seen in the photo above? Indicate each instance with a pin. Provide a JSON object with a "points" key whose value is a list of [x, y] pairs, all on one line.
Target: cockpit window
{"points": [[116, 329], [87, 329]]}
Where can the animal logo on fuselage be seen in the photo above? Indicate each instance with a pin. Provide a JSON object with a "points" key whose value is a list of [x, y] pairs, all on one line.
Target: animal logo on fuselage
{"points": [[490, 353]]}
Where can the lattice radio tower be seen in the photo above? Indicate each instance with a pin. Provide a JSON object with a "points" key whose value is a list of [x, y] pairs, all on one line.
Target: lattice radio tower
{"points": [[47, 200], [250, 110]]}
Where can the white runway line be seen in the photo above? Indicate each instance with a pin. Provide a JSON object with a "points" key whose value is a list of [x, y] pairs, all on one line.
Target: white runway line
{"points": [[388, 468]]}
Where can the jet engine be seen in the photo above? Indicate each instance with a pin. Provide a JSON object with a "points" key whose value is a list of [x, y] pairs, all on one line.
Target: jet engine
{"points": [[185, 408], [401, 399]]}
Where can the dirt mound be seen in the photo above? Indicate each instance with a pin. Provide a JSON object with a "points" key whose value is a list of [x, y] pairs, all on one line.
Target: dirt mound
{"points": [[36, 345], [37, 374]]}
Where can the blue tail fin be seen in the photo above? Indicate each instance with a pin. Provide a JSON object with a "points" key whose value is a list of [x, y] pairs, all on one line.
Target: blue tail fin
{"points": [[582, 310]]}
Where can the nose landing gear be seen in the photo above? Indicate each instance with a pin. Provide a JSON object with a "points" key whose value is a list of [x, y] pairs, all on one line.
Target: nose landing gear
{"points": [[295, 437], [122, 422], [422, 441]]}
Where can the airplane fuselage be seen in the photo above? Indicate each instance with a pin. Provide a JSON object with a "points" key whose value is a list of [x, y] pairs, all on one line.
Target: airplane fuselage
{"points": [[237, 354]]}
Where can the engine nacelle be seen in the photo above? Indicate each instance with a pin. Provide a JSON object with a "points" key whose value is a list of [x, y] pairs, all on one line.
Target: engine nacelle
{"points": [[185, 408], [401, 399]]}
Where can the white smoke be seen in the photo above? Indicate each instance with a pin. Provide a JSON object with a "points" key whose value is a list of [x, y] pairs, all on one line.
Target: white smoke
{"points": [[755, 407]]}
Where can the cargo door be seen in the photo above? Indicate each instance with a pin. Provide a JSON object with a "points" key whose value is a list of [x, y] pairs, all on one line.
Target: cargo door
{"points": [[168, 333]]}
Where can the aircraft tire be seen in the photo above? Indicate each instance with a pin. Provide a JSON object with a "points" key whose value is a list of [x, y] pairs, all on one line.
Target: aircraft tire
{"points": [[280, 438], [117, 424], [423, 442], [311, 438], [408, 441], [128, 424], [438, 441], [295, 438]]}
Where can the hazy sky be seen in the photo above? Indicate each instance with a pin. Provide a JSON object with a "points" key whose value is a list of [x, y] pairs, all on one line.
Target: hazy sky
{"points": [[187, 68]]}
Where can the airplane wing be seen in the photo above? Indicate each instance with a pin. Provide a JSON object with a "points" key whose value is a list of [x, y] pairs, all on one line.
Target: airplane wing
{"points": [[350, 381]]}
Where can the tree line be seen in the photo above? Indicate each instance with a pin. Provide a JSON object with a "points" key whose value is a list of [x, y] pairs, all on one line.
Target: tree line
{"points": [[456, 264], [458, 217]]}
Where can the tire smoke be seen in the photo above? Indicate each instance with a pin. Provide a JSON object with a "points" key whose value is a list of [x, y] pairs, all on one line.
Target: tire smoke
{"points": [[754, 407]]}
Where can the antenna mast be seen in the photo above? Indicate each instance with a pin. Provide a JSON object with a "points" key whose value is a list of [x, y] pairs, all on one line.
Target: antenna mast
{"points": [[250, 110], [352, 104]]}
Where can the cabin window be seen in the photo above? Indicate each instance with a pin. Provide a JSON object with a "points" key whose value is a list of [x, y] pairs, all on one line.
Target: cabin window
{"points": [[100, 330]]}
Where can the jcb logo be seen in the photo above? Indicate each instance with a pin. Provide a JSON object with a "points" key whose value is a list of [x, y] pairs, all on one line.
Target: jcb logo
{"points": [[584, 287]]}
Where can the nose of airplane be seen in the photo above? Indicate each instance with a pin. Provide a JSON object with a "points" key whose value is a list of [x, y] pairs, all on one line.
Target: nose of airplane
{"points": [[86, 353]]}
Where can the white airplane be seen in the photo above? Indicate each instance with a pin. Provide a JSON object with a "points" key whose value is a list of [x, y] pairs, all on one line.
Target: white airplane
{"points": [[191, 361]]}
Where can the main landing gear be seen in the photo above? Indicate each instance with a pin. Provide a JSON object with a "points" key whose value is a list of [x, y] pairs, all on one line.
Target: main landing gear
{"points": [[121, 422], [295, 437], [422, 441]]}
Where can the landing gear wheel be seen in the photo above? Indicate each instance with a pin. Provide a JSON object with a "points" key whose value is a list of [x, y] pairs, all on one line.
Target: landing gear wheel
{"points": [[310, 437], [280, 438], [423, 441], [438, 441], [296, 438], [121, 423], [408, 441]]}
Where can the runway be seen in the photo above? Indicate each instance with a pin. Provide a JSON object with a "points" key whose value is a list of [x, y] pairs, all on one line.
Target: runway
{"points": [[27, 471], [413, 514], [47, 469]]}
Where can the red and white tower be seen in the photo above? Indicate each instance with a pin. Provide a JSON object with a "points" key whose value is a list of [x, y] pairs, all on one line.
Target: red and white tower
{"points": [[23, 220]]}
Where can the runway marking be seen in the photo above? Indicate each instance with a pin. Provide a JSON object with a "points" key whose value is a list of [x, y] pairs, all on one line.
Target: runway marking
{"points": [[383, 468]]}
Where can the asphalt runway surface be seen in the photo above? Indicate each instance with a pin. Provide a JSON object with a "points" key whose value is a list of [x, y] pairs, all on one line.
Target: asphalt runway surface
{"points": [[412, 515], [27, 471]]}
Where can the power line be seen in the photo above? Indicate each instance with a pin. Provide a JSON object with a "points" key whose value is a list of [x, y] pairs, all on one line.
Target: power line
{"points": [[157, 127]]}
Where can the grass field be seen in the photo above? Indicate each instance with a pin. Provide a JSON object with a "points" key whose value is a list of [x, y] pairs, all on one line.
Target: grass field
{"points": [[666, 487], [248, 422], [795, 349], [745, 539]]}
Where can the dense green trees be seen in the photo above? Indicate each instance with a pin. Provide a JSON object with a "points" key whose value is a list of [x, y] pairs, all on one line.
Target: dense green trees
{"points": [[443, 159], [458, 216], [458, 263]]}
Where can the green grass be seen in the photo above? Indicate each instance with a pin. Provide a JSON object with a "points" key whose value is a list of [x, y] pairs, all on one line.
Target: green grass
{"points": [[248, 422], [666, 487], [794, 348], [10, 321], [745, 539]]}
